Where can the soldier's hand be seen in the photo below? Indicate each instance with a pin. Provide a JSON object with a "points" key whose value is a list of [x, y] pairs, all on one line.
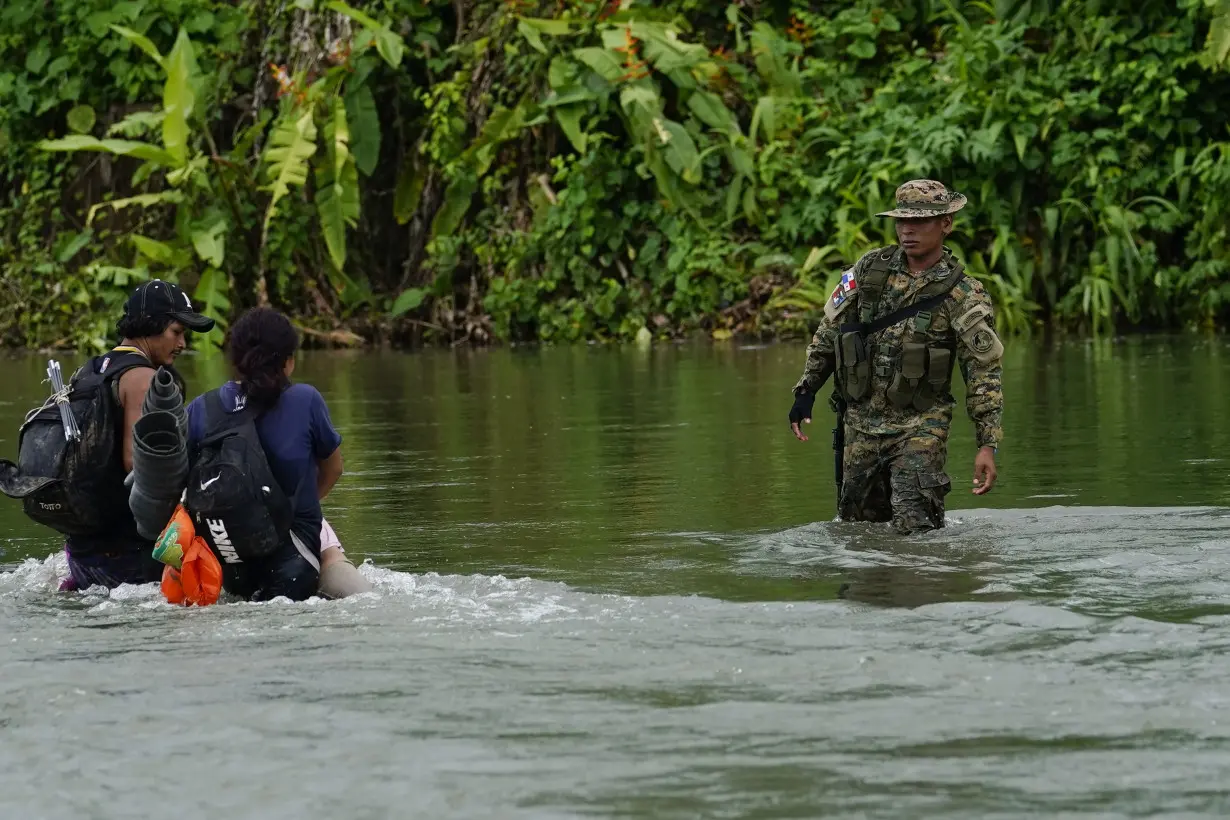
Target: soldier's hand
{"points": [[984, 471], [801, 412]]}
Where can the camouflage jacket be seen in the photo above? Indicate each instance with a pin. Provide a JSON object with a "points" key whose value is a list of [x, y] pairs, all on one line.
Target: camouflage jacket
{"points": [[981, 368]]}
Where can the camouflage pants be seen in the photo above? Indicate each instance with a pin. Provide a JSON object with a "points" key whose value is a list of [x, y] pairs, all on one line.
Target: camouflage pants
{"points": [[897, 478]]}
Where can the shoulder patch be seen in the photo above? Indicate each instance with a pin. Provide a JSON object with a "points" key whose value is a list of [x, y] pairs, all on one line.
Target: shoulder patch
{"points": [[842, 296], [976, 332]]}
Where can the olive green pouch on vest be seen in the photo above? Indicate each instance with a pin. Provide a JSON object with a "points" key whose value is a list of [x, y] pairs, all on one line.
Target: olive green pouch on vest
{"points": [[939, 374], [855, 365], [913, 366]]}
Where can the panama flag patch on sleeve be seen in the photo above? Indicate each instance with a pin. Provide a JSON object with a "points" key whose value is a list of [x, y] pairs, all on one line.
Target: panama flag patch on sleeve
{"points": [[844, 288]]}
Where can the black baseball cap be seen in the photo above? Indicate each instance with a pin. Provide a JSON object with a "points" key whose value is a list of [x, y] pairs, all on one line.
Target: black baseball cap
{"points": [[158, 298]]}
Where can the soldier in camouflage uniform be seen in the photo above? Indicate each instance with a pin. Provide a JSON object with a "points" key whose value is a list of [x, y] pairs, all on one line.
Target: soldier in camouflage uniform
{"points": [[893, 378]]}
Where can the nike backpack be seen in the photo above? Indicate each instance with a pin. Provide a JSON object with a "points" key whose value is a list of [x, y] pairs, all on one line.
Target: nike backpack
{"points": [[235, 501]]}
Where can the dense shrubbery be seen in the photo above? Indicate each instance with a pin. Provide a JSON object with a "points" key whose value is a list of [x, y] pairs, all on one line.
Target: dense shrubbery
{"points": [[402, 170]]}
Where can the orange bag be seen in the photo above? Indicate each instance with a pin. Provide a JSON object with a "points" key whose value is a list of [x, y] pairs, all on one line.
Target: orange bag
{"points": [[173, 542], [192, 575], [172, 586], [198, 581]]}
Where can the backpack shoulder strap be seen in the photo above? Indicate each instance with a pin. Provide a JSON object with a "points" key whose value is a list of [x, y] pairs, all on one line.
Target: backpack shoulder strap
{"points": [[106, 369], [218, 423]]}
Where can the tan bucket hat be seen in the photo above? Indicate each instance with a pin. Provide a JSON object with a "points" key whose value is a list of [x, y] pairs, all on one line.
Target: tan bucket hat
{"points": [[921, 198]]}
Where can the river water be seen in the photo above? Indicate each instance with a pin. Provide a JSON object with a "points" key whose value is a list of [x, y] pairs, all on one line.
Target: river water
{"points": [[608, 585]]}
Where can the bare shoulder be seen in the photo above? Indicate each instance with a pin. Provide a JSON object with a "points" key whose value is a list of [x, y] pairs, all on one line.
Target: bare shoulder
{"points": [[134, 384]]}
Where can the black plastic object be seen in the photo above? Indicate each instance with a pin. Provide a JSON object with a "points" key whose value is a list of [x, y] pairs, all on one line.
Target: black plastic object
{"points": [[159, 456]]}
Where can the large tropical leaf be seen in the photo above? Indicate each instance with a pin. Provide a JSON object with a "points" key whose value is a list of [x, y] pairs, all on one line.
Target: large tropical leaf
{"points": [[286, 158], [569, 119], [679, 150], [140, 200], [1219, 33], [353, 13], [152, 249], [209, 239], [555, 28], [212, 295], [532, 29], [337, 186], [603, 62], [389, 44], [178, 97], [140, 41], [409, 192], [125, 148], [710, 109], [364, 123], [764, 120], [664, 49], [407, 301], [457, 200]]}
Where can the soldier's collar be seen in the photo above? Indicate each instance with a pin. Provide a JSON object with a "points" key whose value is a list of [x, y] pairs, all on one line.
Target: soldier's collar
{"points": [[937, 271]]}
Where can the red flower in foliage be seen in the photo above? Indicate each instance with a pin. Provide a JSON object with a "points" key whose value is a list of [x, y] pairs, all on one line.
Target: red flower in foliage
{"points": [[637, 69]]}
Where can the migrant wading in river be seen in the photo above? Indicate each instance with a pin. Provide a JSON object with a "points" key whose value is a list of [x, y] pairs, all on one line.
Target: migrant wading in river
{"points": [[264, 455], [111, 491], [83, 483]]}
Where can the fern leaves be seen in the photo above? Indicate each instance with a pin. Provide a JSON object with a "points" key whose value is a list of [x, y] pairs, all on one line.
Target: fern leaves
{"points": [[337, 185], [293, 143]]}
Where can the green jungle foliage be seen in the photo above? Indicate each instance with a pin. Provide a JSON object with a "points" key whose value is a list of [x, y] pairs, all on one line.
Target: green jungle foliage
{"points": [[399, 171]]}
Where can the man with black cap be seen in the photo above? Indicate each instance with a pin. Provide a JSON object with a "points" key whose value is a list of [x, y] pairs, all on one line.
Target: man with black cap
{"points": [[153, 330]]}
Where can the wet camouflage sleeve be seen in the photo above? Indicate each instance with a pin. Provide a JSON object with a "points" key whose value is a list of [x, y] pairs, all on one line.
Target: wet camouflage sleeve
{"points": [[821, 358], [981, 362]]}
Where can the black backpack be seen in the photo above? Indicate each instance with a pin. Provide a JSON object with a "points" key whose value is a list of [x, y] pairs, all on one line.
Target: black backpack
{"points": [[75, 487], [237, 504]]}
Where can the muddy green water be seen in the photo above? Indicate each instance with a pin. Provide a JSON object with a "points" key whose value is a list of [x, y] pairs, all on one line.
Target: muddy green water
{"points": [[608, 585]]}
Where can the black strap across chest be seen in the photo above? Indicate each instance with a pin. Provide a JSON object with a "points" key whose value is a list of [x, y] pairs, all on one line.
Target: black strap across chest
{"points": [[907, 312]]}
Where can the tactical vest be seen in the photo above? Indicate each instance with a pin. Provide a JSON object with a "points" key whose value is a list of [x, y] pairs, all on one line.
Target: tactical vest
{"points": [[920, 369]]}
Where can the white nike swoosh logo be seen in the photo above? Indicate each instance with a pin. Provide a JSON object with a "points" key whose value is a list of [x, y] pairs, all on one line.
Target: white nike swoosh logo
{"points": [[205, 484]]}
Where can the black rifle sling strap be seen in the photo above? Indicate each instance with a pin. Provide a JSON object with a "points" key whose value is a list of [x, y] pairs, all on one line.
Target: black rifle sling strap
{"points": [[868, 328]]}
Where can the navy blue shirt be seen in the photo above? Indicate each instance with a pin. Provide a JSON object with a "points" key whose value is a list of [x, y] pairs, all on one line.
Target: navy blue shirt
{"points": [[296, 433]]}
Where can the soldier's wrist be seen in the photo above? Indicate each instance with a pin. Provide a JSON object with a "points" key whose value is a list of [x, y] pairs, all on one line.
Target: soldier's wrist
{"points": [[992, 446]]}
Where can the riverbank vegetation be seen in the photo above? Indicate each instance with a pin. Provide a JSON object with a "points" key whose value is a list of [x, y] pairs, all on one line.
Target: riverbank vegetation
{"points": [[448, 171]]}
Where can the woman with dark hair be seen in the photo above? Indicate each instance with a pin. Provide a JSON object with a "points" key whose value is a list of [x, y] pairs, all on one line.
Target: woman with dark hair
{"points": [[300, 444]]}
